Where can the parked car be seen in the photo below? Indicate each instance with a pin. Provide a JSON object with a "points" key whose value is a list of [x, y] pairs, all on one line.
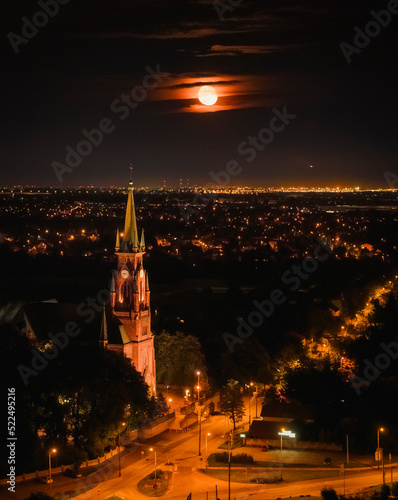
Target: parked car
{"points": [[327, 461], [71, 472], [46, 479], [264, 448]]}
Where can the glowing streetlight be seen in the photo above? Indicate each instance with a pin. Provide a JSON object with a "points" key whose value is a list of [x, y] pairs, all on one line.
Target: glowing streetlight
{"points": [[118, 444], [379, 451], [49, 465], [208, 434], [199, 415], [378, 436], [198, 386], [287, 434], [152, 449]]}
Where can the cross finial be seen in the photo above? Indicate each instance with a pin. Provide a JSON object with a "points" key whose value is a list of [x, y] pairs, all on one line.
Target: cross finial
{"points": [[131, 174]]}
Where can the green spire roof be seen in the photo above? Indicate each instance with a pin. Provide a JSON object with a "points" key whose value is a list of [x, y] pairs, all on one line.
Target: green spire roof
{"points": [[142, 241], [130, 236], [117, 246]]}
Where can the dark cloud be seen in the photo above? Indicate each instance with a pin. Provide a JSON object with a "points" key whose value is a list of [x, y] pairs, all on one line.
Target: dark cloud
{"points": [[196, 84], [263, 55]]}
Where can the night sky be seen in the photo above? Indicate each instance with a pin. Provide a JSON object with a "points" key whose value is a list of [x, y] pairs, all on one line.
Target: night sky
{"points": [[264, 55]]}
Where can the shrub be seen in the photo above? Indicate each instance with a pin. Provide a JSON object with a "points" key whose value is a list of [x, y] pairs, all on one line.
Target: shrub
{"points": [[221, 456], [159, 474], [384, 491], [329, 494], [242, 458]]}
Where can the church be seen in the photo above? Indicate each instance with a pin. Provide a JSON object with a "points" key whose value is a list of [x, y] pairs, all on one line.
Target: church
{"points": [[123, 325], [130, 300]]}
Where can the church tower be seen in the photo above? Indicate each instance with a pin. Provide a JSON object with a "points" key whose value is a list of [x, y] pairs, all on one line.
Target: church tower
{"points": [[130, 298]]}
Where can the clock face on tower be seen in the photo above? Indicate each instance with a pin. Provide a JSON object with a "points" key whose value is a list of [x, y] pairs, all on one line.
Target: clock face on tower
{"points": [[141, 273], [124, 274]]}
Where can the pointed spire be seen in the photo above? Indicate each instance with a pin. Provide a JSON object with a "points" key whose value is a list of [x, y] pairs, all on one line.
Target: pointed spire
{"points": [[104, 328], [142, 241], [130, 237], [146, 282], [117, 246], [113, 284]]}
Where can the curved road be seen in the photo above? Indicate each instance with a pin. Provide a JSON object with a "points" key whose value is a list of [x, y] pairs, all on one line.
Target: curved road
{"points": [[182, 450]]}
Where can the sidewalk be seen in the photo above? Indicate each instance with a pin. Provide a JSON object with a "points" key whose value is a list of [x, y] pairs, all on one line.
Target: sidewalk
{"points": [[66, 485]]}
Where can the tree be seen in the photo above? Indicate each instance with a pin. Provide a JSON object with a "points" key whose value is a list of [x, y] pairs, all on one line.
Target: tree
{"points": [[39, 495], [329, 494], [161, 405], [385, 491], [88, 403], [81, 395], [178, 357], [232, 402]]}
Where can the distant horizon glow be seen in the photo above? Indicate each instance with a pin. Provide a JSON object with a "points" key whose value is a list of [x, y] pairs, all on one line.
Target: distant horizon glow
{"points": [[205, 188]]}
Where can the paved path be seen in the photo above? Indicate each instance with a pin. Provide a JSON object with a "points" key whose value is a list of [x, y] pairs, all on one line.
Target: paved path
{"points": [[182, 450]]}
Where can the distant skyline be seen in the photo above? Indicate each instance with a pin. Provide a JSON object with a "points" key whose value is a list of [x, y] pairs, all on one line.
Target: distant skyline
{"points": [[291, 109], [219, 189]]}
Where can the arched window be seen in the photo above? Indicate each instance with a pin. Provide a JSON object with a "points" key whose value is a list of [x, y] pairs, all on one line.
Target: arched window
{"points": [[125, 293]]}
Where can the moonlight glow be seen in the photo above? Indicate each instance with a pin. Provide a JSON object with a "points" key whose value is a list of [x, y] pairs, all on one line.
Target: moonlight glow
{"points": [[207, 95]]}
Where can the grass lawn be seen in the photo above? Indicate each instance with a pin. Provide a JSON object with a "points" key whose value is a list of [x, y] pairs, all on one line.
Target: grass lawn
{"points": [[238, 443], [286, 465], [146, 485], [214, 463], [267, 474]]}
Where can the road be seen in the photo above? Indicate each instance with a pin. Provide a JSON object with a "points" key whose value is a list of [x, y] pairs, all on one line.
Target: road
{"points": [[181, 449]]}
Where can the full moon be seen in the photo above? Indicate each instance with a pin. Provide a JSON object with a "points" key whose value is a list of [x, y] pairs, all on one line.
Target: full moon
{"points": [[207, 95]]}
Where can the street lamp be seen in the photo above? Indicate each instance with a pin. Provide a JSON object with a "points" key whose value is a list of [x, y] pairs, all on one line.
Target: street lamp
{"points": [[198, 374], [151, 449], [378, 436], [49, 464], [229, 464], [118, 444], [287, 434], [199, 415], [379, 451], [208, 434]]}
